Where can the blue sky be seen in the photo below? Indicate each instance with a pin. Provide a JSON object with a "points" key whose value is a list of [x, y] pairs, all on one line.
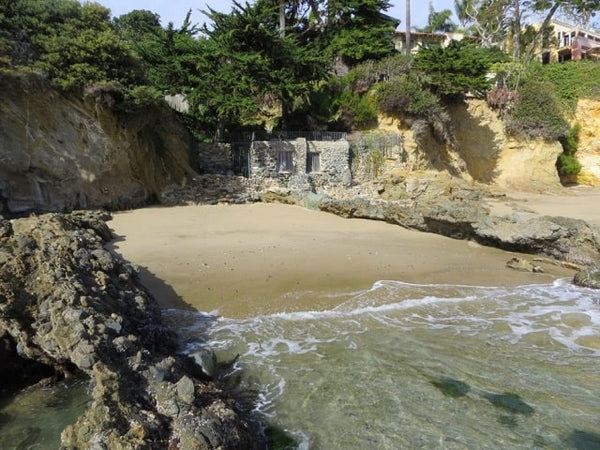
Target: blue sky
{"points": [[175, 10]]}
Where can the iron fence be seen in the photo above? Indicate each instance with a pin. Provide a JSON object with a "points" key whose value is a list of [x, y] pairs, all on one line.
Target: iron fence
{"points": [[289, 135]]}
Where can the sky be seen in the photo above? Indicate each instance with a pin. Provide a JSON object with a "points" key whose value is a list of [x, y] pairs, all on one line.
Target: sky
{"points": [[175, 10]]}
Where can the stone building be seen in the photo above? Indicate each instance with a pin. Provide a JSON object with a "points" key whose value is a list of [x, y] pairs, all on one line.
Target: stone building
{"points": [[291, 162]]}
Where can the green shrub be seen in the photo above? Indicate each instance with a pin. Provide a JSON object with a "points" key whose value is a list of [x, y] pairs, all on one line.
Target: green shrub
{"points": [[567, 164], [570, 81], [457, 69], [357, 110], [366, 75], [144, 96], [405, 95], [537, 113]]}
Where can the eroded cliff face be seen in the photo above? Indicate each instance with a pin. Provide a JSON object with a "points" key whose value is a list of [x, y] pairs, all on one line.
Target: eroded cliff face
{"points": [[588, 154], [493, 157], [482, 151], [62, 152], [421, 149]]}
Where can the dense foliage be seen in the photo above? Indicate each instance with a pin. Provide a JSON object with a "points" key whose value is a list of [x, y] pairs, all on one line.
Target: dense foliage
{"points": [[567, 164], [537, 113], [570, 81], [357, 30], [458, 69], [277, 63], [74, 44]]}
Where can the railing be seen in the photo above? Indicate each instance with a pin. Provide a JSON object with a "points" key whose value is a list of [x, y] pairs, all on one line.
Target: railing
{"points": [[385, 143], [289, 135]]}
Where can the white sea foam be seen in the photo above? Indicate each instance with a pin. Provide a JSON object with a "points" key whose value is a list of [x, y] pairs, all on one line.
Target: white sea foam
{"points": [[525, 309], [375, 353]]}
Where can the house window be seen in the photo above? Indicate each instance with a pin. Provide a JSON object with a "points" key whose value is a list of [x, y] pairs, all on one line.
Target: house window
{"points": [[313, 162], [285, 161]]}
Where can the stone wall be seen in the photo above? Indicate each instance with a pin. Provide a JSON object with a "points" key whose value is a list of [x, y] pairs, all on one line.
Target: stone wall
{"points": [[215, 158], [333, 158]]}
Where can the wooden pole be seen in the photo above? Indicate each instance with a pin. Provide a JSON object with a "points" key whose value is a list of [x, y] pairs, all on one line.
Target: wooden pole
{"points": [[407, 27]]}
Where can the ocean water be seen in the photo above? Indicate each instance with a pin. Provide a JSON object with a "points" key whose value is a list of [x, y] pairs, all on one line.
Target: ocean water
{"points": [[35, 417], [421, 366]]}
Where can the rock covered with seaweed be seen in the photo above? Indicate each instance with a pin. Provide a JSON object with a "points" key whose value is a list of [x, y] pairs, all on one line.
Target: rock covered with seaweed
{"points": [[72, 307]]}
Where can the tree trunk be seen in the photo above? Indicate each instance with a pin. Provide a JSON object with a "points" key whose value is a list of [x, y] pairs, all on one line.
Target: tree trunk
{"points": [[408, 28], [540, 32], [516, 26], [282, 18]]}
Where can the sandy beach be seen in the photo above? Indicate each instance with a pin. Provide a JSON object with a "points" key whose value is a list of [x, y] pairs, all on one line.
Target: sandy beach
{"points": [[247, 260]]}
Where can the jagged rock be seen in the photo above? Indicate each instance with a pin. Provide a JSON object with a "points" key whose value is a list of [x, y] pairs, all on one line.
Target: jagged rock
{"points": [[277, 196], [358, 208], [448, 207], [207, 360], [588, 277], [523, 265], [67, 303]]}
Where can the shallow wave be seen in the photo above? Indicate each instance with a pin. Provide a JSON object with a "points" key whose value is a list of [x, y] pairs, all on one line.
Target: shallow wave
{"points": [[564, 313], [378, 361]]}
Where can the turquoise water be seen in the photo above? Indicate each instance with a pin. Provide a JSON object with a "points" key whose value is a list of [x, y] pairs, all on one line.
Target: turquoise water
{"points": [[423, 366], [35, 417]]}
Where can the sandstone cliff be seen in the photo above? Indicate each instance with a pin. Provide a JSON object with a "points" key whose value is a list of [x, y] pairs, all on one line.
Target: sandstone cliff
{"points": [[588, 155], [493, 157], [482, 151], [61, 152]]}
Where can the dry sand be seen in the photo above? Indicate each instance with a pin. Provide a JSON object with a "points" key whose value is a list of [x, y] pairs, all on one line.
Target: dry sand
{"points": [[578, 202], [247, 260]]}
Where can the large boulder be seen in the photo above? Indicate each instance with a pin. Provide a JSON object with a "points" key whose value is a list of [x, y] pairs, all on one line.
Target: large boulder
{"points": [[67, 303], [589, 277]]}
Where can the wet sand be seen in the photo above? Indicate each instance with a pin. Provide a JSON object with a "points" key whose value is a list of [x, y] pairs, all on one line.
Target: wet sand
{"points": [[248, 260]]}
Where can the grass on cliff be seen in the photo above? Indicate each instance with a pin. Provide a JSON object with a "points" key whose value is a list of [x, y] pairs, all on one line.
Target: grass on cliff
{"points": [[570, 81], [540, 101]]}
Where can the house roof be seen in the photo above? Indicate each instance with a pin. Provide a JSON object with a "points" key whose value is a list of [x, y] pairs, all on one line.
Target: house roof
{"points": [[422, 34]]}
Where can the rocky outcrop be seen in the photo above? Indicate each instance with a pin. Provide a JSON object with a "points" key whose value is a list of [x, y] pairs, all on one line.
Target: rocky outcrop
{"points": [[482, 151], [454, 208], [422, 148], [589, 277], [68, 304], [63, 152]]}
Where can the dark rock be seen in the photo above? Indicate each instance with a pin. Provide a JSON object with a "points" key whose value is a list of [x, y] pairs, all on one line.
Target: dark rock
{"points": [[17, 372], [206, 359], [185, 389], [589, 278], [66, 302]]}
